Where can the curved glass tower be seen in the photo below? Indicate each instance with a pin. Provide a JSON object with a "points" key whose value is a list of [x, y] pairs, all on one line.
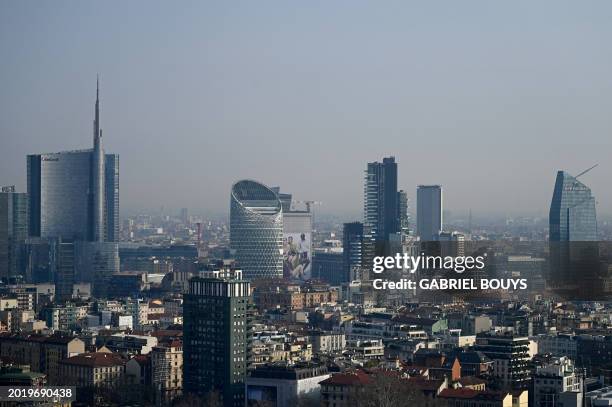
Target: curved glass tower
{"points": [[256, 229]]}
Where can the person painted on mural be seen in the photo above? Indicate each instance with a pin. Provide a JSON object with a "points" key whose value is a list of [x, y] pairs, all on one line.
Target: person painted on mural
{"points": [[304, 250]]}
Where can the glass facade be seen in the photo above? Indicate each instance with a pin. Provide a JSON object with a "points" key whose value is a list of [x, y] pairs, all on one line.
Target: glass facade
{"points": [[13, 231], [95, 263], [256, 229], [429, 212], [111, 195], [574, 251], [380, 211], [61, 203], [572, 215], [61, 200]]}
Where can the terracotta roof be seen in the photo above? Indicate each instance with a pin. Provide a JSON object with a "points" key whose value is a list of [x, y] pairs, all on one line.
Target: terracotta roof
{"points": [[142, 359], [459, 393], [58, 339], [425, 384], [472, 394], [348, 379], [96, 359], [167, 333]]}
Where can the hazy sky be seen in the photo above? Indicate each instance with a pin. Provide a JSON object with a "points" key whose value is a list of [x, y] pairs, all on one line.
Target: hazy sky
{"points": [[487, 98]]}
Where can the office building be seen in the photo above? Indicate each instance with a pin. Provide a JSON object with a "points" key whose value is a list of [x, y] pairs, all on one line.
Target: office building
{"points": [[574, 270], [380, 212], [13, 231], [65, 272], [297, 241], [328, 266], [403, 217], [75, 194], [95, 263], [256, 229], [451, 244], [352, 242], [429, 212], [39, 257], [216, 334], [572, 211]]}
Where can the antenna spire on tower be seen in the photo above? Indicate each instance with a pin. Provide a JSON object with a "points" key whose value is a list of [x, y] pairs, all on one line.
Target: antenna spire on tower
{"points": [[585, 171]]}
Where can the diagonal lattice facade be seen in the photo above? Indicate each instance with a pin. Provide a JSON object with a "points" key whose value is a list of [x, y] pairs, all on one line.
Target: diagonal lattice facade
{"points": [[256, 229]]}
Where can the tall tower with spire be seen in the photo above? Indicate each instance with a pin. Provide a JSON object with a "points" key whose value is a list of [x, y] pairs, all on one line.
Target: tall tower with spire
{"points": [[97, 173]]}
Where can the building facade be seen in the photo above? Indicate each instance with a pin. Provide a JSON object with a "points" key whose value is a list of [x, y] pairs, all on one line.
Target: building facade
{"points": [[215, 336], [75, 194], [572, 211], [256, 229], [13, 231], [352, 252], [429, 212], [380, 212]]}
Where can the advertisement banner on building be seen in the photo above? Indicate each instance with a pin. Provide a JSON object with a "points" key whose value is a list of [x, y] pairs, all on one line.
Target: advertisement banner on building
{"points": [[297, 262]]}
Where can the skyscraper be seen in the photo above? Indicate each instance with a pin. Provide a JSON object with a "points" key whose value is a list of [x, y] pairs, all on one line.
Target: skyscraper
{"points": [[13, 230], [216, 329], [573, 247], [75, 194], [65, 272], [380, 211], [403, 218], [429, 212], [256, 229], [352, 241], [572, 211], [74, 197]]}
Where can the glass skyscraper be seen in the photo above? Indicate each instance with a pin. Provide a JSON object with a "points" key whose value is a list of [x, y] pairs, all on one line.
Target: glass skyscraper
{"points": [[574, 251], [73, 197], [429, 212], [13, 230], [75, 194], [256, 229], [380, 212], [572, 215]]}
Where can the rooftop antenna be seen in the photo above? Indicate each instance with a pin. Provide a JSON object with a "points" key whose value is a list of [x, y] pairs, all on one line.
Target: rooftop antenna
{"points": [[585, 171]]}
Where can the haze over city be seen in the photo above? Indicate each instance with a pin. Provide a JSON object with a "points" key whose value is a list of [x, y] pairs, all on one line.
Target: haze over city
{"points": [[487, 100]]}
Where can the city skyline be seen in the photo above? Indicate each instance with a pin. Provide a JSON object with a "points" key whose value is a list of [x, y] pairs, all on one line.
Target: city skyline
{"points": [[464, 110]]}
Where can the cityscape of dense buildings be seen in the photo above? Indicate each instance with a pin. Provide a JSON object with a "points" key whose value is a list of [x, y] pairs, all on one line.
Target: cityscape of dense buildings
{"points": [[273, 307]]}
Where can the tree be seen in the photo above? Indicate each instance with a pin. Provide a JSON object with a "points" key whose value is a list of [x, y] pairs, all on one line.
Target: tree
{"points": [[388, 390]]}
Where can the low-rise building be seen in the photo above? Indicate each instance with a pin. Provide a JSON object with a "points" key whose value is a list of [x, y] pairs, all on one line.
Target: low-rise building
{"points": [[41, 353], [104, 369], [167, 369], [557, 383], [343, 389], [365, 350], [328, 342], [283, 385]]}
